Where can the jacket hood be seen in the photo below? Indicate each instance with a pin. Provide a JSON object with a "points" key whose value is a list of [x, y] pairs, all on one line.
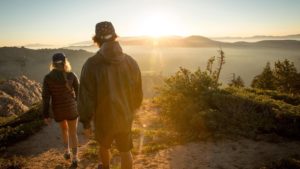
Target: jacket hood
{"points": [[112, 52]]}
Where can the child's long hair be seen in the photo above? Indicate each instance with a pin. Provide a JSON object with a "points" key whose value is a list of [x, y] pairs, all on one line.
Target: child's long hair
{"points": [[64, 66]]}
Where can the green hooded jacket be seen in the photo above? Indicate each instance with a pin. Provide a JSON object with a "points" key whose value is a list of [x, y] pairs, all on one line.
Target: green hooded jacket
{"points": [[110, 90]]}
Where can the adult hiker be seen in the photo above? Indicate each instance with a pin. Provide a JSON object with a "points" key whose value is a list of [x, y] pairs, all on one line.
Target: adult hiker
{"points": [[61, 87], [110, 92]]}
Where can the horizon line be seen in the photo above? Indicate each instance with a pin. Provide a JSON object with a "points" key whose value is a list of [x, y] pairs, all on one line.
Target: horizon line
{"points": [[158, 37]]}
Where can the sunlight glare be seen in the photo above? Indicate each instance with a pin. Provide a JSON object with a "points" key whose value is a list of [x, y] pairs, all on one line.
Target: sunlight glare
{"points": [[158, 24]]}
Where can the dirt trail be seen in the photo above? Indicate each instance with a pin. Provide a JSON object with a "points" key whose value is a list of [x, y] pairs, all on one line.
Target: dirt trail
{"points": [[226, 154], [44, 150]]}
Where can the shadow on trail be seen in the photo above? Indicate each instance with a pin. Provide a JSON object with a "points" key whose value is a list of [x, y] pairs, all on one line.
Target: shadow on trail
{"points": [[48, 138]]}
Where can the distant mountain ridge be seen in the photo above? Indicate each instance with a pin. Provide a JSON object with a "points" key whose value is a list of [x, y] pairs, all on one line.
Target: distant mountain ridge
{"points": [[197, 41], [257, 38], [190, 41], [283, 37], [260, 36]]}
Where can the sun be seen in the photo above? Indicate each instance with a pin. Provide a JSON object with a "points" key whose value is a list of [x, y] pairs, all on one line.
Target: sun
{"points": [[157, 25]]}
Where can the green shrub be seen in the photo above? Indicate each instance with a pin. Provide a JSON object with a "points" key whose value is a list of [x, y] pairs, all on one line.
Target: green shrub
{"points": [[16, 129], [193, 104], [283, 77], [183, 98], [34, 113], [286, 97], [240, 115], [5, 120], [260, 112]]}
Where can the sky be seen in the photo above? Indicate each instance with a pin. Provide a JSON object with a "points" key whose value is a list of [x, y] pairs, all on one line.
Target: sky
{"points": [[69, 21]]}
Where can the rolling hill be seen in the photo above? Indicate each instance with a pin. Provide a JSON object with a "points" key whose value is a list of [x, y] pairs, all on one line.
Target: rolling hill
{"points": [[196, 41], [15, 61]]}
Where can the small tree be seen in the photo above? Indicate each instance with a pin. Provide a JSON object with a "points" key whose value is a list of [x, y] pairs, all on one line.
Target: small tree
{"points": [[209, 66], [236, 82], [265, 80], [221, 63], [285, 74], [215, 74]]}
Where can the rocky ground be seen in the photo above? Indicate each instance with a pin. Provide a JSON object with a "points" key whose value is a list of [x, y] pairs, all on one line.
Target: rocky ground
{"points": [[18, 94]]}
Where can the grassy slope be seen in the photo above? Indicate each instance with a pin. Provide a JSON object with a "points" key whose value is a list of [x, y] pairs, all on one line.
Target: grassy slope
{"points": [[14, 129]]}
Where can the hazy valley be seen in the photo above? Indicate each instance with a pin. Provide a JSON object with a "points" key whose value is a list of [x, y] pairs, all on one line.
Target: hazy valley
{"points": [[160, 56]]}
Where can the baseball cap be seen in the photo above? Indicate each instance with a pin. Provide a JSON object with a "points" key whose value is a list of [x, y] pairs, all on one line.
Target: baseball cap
{"points": [[59, 58], [105, 30]]}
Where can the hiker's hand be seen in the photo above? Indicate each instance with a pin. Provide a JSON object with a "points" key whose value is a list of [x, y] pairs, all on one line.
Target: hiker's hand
{"points": [[47, 121], [88, 132]]}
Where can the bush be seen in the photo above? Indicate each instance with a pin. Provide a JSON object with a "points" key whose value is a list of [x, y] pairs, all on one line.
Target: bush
{"points": [[240, 115], [258, 113], [265, 80], [283, 77], [193, 105], [31, 115], [183, 99], [285, 97], [18, 128], [236, 82]]}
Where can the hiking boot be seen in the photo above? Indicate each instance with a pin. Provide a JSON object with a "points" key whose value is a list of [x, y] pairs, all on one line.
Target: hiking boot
{"points": [[100, 166], [74, 164], [67, 156]]}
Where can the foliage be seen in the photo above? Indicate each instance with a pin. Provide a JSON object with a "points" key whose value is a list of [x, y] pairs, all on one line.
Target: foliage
{"points": [[5, 120], [235, 114], [276, 95], [16, 129], [183, 98], [269, 115], [282, 77], [237, 82], [265, 80], [194, 105], [215, 74], [285, 74], [221, 63]]}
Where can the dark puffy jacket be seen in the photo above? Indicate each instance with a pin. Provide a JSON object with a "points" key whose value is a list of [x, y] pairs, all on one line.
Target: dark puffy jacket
{"points": [[110, 90], [63, 95]]}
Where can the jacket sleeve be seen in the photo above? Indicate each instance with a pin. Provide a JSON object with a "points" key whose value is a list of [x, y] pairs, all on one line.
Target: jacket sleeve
{"points": [[75, 86], [139, 90], [87, 96], [46, 99]]}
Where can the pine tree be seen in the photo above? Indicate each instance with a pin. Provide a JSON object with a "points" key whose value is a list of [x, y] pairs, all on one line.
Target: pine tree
{"points": [[265, 80], [237, 82], [285, 74]]}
